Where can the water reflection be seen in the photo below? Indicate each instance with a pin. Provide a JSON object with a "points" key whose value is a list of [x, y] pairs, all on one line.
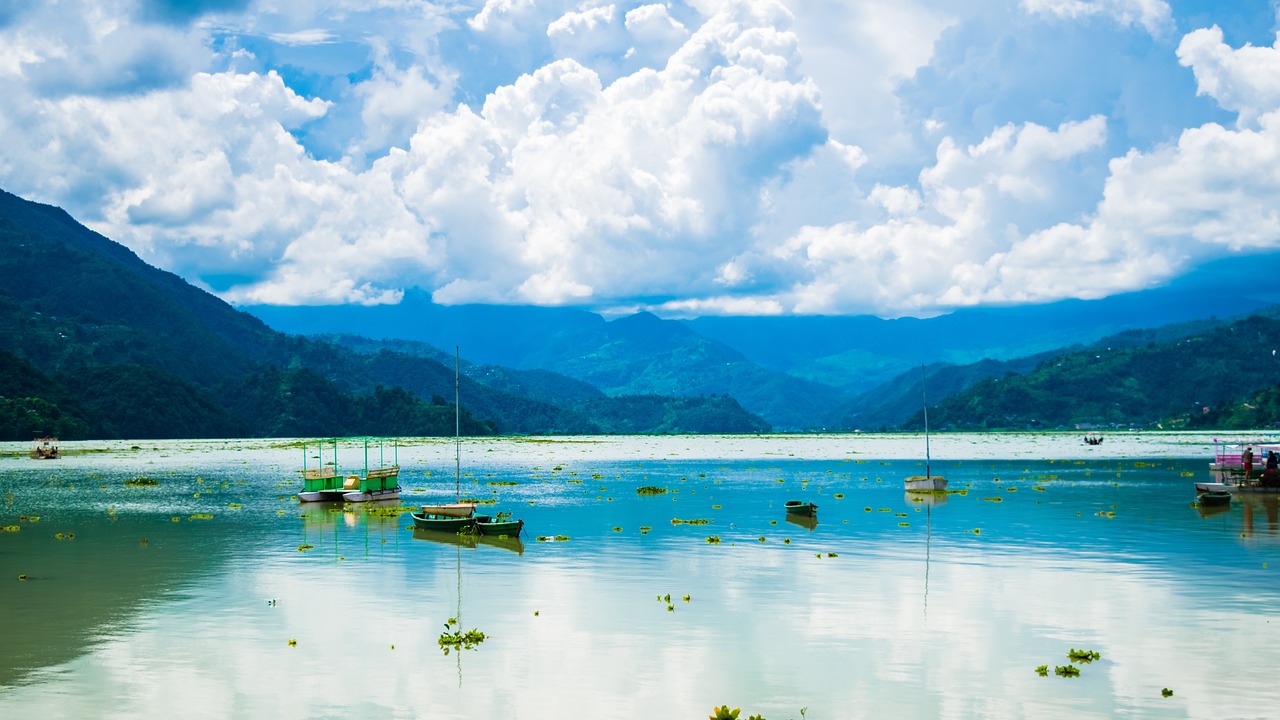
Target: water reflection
{"points": [[808, 522], [888, 612]]}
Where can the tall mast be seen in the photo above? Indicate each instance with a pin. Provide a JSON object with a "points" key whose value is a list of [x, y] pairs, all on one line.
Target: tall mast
{"points": [[925, 401], [457, 431]]}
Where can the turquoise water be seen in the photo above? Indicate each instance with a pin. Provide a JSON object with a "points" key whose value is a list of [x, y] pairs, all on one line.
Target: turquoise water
{"points": [[181, 598]]}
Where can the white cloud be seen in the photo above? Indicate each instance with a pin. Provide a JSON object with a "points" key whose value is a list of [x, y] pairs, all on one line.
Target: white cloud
{"points": [[1245, 81], [935, 248], [1154, 16]]}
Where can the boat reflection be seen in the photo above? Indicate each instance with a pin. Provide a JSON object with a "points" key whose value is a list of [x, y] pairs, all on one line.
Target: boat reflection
{"points": [[470, 540], [927, 499], [808, 522], [1207, 511]]}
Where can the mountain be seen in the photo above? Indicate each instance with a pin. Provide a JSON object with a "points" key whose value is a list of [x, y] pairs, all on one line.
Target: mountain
{"points": [[1169, 376], [796, 372], [103, 345]]}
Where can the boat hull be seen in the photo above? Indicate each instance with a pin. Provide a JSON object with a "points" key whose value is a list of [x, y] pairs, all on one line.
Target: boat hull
{"points": [[925, 483], [798, 507], [321, 496], [372, 495], [1215, 497], [440, 523]]}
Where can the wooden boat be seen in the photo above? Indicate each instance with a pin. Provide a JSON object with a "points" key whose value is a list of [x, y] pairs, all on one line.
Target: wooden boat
{"points": [[45, 448], [927, 482], [800, 507], [1215, 497], [457, 508], [487, 525], [441, 523]]}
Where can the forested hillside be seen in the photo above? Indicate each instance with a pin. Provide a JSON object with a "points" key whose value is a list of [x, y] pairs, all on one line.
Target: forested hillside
{"points": [[1203, 379], [100, 344]]}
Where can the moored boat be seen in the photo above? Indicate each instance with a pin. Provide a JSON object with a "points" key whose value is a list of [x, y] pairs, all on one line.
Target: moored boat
{"points": [[800, 507], [1215, 497], [381, 482], [321, 482], [487, 525], [441, 523], [927, 482], [45, 448]]}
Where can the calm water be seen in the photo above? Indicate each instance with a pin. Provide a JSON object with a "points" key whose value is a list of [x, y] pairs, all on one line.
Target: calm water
{"points": [[161, 603]]}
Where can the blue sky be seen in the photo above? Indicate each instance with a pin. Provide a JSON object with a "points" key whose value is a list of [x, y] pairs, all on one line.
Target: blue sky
{"points": [[689, 158]]}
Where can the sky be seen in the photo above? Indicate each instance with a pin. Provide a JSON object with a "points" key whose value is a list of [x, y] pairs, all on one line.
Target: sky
{"points": [[694, 157]]}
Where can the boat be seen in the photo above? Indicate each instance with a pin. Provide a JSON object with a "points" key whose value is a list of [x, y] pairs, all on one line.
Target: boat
{"points": [[1215, 497], [45, 448], [1227, 468], [442, 523], [381, 482], [321, 483], [498, 526], [927, 482], [457, 515], [800, 507]]}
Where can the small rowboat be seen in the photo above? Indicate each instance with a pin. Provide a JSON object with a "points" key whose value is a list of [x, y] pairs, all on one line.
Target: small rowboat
{"points": [[487, 525], [800, 507], [441, 523], [1215, 497]]}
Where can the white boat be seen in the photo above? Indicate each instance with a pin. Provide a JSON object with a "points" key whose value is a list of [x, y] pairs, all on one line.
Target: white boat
{"points": [[1227, 468], [925, 483], [928, 482]]}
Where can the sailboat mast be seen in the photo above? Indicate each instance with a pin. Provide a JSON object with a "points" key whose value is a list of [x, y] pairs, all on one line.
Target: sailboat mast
{"points": [[457, 431], [925, 401]]}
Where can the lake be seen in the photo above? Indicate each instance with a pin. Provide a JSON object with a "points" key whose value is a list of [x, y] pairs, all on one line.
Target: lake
{"points": [[207, 590]]}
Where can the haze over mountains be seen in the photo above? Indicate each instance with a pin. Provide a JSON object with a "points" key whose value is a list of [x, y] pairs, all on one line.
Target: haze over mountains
{"points": [[100, 344]]}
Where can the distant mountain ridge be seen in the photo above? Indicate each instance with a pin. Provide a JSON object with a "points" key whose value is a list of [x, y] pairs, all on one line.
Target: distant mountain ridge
{"points": [[91, 330], [95, 337]]}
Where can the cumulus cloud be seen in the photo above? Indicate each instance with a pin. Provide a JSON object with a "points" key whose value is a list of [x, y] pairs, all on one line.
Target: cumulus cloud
{"points": [[939, 245], [708, 156], [1245, 81]]}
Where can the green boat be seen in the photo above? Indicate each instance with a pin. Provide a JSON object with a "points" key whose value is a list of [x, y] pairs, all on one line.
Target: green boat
{"points": [[441, 523], [487, 525], [800, 507]]}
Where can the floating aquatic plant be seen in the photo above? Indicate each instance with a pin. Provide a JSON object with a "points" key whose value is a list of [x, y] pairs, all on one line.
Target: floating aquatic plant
{"points": [[724, 713], [1042, 670], [1083, 656], [305, 546], [10, 528], [1166, 692], [454, 638], [713, 540], [141, 482], [66, 536], [1066, 671], [200, 516], [293, 642], [700, 521], [997, 498]]}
